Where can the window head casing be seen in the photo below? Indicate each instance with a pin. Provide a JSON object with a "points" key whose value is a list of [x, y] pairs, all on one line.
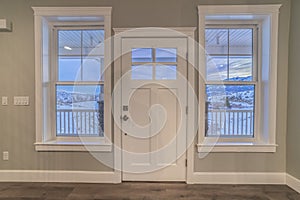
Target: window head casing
{"points": [[262, 73], [72, 60]]}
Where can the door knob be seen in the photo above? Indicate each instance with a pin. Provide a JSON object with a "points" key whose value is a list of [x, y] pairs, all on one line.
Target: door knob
{"points": [[125, 118]]}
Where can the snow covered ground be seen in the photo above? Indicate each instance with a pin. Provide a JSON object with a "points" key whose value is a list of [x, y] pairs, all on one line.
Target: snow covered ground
{"points": [[79, 113], [230, 109]]}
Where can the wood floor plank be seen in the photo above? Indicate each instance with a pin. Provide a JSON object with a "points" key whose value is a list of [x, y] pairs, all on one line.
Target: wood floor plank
{"points": [[143, 191]]}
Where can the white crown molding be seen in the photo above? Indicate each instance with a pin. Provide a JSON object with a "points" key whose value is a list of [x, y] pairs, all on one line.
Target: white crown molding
{"points": [[72, 11]]}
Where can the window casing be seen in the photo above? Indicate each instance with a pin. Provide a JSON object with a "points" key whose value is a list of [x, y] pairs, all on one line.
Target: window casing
{"points": [[73, 79], [266, 18]]}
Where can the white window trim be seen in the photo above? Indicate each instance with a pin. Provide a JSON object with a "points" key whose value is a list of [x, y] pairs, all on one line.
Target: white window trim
{"points": [[45, 141], [267, 16]]}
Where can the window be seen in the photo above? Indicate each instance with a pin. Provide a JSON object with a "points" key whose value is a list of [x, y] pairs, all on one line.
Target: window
{"points": [[238, 78], [73, 79], [231, 80], [79, 86]]}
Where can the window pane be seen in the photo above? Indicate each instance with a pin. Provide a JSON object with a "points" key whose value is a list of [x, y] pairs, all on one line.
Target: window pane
{"points": [[69, 68], [142, 55], [230, 110], [216, 68], [79, 110], [69, 42], [91, 42], [240, 41], [235, 64], [241, 54], [166, 55], [92, 67], [240, 68], [141, 72], [164, 72], [216, 41], [74, 47]]}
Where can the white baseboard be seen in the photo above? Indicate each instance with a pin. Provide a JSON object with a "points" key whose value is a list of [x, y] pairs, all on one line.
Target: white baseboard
{"points": [[293, 182], [237, 178], [59, 176], [115, 177]]}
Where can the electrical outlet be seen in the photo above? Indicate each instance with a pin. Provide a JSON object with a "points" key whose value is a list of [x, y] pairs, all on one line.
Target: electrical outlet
{"points": [[5, 155], [4, 101]]}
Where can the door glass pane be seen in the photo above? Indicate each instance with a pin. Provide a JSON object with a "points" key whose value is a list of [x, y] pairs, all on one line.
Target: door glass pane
{"points": [[166, 55], [230, 110], [141, 72], [69, 68], [79, 110], [142, 55], [216, 68], [166, 72]]}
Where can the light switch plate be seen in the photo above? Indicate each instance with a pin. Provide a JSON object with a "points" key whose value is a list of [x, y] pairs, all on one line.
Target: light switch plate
{"points": [[5, 155], [21, 100], [4, 101]]}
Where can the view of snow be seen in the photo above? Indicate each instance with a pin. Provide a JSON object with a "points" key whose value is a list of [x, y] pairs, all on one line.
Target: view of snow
{"points": [[80, 110], [230, 109]]}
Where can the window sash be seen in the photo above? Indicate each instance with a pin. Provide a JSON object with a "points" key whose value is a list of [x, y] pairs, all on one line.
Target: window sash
{"points": [[78, 114], [56, 55], [240, 121], [255, 79], [254, 27], [54, 74]]}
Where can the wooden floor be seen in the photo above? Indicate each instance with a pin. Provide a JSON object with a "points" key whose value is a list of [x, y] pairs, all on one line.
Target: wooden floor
{"points": [[143, 191]]}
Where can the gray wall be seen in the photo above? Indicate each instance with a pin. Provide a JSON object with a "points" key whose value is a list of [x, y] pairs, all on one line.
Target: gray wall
{"points": [[293, 134], [17, 132]]}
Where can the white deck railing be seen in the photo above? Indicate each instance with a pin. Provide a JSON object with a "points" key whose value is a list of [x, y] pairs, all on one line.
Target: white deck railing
{"points": [[230, 123], [219, 122], [78, 122]]}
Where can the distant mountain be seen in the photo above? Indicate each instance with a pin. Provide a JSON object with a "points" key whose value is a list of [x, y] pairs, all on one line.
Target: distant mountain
{"points": [[233, 96], [70, 97], [247, 78]]}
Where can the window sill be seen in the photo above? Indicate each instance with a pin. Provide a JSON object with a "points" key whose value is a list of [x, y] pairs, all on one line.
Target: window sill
{"points": [[241, 147], [73, 146]]}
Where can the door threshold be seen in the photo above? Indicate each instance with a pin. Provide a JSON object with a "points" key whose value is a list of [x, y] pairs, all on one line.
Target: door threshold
{"points": [[160, 182]]}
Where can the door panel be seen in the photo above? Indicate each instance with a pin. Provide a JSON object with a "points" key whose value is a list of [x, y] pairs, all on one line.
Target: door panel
{"points": [[154, 125]]}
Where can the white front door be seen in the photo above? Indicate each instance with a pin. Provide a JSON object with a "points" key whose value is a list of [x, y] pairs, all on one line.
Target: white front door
{"points": [[154, 100]]}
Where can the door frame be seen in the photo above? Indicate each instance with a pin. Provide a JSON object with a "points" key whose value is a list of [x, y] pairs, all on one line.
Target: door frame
{"points": [[168, 32]]}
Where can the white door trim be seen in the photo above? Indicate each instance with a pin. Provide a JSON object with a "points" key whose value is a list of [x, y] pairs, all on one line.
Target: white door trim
{"points": [[182, 32]]}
